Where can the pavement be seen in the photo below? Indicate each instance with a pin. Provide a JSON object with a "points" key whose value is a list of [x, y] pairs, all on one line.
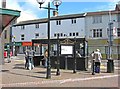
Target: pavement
{"points": [[15, 75]]}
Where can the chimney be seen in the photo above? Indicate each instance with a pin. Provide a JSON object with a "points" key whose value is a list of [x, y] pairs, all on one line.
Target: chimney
{"points": [[55, 13], [3, 3]]}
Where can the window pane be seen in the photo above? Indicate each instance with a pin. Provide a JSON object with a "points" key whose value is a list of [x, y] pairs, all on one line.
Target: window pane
{"points": [[61, 34], [70, 34], [77, 34], [73, 34], [118, 32], [54, 35]]}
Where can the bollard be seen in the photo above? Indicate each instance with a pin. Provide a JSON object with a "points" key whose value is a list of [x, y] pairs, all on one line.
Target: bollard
{"points": [[110, 66], [93, 67]]}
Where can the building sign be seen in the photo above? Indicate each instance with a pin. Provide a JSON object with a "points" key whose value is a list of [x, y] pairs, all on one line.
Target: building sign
{"points": [[18, 43], [65, 49], [12, 44], [26, 43]]}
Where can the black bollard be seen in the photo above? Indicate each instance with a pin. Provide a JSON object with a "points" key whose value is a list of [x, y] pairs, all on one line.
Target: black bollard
{"points": [[93, 67]]}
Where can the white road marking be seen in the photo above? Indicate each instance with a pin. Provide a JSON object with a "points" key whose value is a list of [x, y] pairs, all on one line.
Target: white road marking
{"points": [[59, 81]]}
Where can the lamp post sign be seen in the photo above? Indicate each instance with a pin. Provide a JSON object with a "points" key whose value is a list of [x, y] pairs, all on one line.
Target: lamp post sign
{"points": [[55, 3]]}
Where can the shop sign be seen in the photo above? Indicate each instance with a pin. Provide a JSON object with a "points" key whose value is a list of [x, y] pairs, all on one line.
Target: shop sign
{"points": [[26, 43]]}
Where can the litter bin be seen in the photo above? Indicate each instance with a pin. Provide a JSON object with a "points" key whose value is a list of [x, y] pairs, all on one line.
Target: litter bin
{"points": [[110, 66]]}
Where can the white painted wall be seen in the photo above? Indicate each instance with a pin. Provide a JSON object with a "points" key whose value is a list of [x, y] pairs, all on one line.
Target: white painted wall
{"points": [[104, 25], [29, 32], [66, 27]]}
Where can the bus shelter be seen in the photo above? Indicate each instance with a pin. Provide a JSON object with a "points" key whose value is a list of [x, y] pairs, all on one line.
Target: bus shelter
{"points": [[64, 50], [7, 16]]}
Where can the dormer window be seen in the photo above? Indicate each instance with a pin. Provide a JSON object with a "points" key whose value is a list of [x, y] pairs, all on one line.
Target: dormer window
{"points": [[73, 21], [36, 25], [58, 22], [22, 27]]}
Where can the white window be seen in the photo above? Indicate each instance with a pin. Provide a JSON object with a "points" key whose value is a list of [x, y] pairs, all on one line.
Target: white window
{"points": [[70, 34], [118, 17], [77, 34], [118, 32], [97, 19], [73, 21], [36, 25], [22, 37], [58, 22], [55, 34], [22, 27], [36, 35], [97, 33]]}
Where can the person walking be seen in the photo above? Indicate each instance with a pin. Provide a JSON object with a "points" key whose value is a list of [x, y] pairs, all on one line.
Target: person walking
{"points": [[30, 61], [26, 58], [97, 56], [91, 60], [45, 58], [8, 55]]}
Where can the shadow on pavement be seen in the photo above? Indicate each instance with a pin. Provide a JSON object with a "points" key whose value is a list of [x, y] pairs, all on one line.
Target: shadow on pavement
{"points": [[16, 67], [44, 72], [19, 64], [4, 70], [25, 75]]}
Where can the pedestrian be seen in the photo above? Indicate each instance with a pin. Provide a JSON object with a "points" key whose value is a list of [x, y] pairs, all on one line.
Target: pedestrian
{"points": [[30, 60], [8, 56], [91, 60], [45, 58], [78, 54], [97, 56], [26, 58]]}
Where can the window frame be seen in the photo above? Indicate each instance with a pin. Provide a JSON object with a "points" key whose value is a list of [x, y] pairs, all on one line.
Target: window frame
{"points": [[97, 33], [22, 36], [97, 19]]}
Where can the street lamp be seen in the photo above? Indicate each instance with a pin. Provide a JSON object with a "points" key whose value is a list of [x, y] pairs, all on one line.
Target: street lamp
{"points": [[110, 63], [55, 3], [58, 52], [74, 70]]}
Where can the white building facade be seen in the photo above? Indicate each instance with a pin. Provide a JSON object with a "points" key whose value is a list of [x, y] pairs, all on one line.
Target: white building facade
{"points": [[66, 26]]}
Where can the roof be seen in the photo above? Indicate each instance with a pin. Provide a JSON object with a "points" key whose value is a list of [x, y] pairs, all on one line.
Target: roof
{"points": [[102, 13], [62, 17], [7, 16], [44, 20]]}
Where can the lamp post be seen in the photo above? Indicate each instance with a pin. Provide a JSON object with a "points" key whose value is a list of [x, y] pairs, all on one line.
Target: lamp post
{"points": [[58, 52], [110, 63], [74, 70], [55, 3]]}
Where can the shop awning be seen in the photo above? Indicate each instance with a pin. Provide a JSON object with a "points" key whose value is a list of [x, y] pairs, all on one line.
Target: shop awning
{"points": [[6, 17]]}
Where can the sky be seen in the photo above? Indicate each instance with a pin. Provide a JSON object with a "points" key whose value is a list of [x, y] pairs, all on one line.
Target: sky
{"points": [[30, 8]]}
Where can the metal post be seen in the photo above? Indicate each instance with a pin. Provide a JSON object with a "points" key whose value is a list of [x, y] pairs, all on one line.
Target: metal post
{"points": [[48, 61], [13, 46], [110, 40], [58, 61], [110, 64], [1, 52], [93, 67], [74, 70]]}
